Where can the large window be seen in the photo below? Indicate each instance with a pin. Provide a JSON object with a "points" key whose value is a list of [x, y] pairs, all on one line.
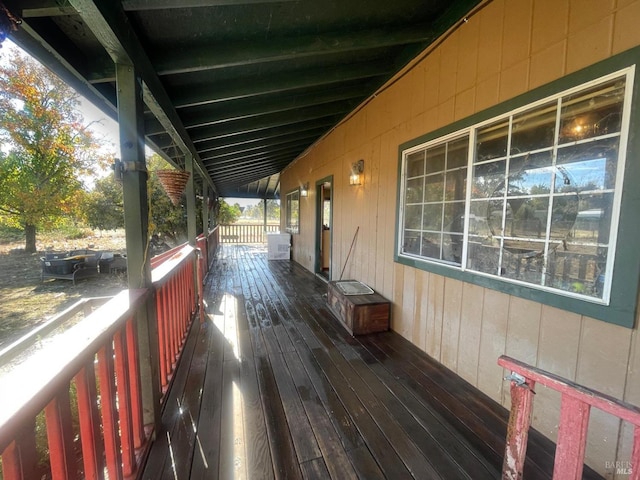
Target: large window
{"points": [[531, 197], [292, 207]]}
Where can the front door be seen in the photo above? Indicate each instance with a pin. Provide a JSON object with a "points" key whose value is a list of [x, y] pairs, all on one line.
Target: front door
{"points": [[324, 207]]}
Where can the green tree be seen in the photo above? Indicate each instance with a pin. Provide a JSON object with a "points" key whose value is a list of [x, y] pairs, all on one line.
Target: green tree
{"points": [[48, 146], [103, 207], [228, 214]]}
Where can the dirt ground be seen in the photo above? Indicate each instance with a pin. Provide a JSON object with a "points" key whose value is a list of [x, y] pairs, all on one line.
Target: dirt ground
{"points": [[26, 300]]}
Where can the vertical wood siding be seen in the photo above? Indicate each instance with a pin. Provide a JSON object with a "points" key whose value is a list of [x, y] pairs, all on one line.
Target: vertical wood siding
{"points": [[504, 50]]}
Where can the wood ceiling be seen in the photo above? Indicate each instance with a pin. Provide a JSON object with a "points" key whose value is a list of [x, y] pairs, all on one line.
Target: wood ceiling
{"points": [[246, 86]]}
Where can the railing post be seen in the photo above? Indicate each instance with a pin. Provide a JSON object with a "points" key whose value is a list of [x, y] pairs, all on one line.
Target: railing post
{"points": [[90, 436], [572, 438], [518, 430], [635, 455], [60, 437], [19, 459]]}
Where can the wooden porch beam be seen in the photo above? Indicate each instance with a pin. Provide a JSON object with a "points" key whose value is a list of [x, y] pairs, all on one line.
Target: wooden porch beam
{"points": [[295, 80], [246, 109], [191, 201], [109, 23], [272, 121], [253, 52], [236, 159], [167, 4], [52, 8], [241, 140], [261, 144]]}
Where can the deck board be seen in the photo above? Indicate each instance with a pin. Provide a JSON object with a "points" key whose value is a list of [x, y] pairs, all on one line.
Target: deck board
{"points": [[276, 388]]}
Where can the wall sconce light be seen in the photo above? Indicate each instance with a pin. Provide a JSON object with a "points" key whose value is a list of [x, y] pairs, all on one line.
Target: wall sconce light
{"points": [[357, 168], [304, 190]]}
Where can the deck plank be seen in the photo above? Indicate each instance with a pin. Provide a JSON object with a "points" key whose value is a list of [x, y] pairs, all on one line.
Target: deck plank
{"points": [[278, 389]]}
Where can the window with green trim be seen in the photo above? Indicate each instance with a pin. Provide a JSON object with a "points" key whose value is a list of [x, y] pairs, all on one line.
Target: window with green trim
{"points": [[530, 197], [292, 207]]}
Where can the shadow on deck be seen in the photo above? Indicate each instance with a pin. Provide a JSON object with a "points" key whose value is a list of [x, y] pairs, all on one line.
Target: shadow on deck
{"points": [[271, 386]]}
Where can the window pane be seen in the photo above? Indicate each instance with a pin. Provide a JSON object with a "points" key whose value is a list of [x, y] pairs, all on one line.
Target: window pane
{"points": [[492, 141], [431, 245], [483, 255], [293, 212], [528, 217], [413, 217], [452, 248], [530, 175], [435, 159], [577, 268], [485, 218], [458, 153], [456, 185], [434, 188], [589, 166], [432, 218], [414, 190], [593, 221], [593, 112], [533, 129], [488, 178], [411, 242], [563, 215], [415, 164], [454, 217], [523, 261]]}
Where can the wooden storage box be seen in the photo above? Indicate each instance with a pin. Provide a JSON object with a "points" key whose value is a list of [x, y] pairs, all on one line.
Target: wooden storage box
{"points": [[359, 314]]}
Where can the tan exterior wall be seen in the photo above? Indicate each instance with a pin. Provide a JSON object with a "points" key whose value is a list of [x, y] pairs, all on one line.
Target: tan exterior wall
{"points": [[507, 48]]}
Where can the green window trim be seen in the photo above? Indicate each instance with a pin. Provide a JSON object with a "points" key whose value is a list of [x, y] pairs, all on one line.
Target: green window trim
{"points": [[292, 208], [621, 307]]}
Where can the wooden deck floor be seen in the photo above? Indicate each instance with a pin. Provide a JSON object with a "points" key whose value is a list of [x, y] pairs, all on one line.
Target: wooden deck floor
{"points": [[271, 386]]}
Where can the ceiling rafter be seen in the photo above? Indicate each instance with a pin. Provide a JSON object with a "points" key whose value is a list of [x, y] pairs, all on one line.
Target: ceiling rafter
{"points": [[132, 5], [242, 149], [268, 134], [243, 110], [269, 121], [172, 61], [214, 162]]}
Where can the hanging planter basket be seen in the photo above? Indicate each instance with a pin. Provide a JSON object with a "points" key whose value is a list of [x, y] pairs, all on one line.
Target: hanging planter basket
{"points": [[173, 182]]}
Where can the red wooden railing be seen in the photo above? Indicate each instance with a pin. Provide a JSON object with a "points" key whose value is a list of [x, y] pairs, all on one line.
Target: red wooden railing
{"points": [[98, 361], [175, 286], [576, 403], [86, 388]]}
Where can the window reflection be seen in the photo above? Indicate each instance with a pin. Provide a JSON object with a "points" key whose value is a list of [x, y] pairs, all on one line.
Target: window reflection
{"points": [[542, 193]]}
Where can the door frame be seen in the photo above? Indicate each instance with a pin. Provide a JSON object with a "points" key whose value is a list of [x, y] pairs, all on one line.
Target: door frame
{"points": [[319, 211]]}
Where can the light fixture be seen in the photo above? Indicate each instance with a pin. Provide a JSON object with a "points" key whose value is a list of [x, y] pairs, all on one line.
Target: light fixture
{"points": [[304, 190], [357, 168]]}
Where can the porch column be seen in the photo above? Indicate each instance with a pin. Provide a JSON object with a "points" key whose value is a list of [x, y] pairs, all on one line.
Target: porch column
{"points": [[136, 221], [205, 209], [191, 200], [264, 204]]}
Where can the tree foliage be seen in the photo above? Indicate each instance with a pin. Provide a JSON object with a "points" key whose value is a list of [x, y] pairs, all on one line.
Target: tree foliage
{"points": [[47, 147], [228, 214], [103, 208], [257, 211]]}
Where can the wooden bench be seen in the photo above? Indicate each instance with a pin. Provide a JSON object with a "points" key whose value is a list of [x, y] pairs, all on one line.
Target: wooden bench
{"points": [[359, 313]]}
